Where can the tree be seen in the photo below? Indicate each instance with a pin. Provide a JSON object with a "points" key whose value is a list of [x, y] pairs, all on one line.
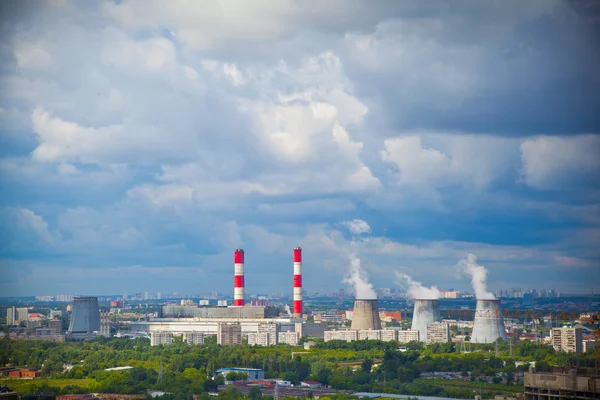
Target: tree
{"points": [[366, 365], [255, 393]]}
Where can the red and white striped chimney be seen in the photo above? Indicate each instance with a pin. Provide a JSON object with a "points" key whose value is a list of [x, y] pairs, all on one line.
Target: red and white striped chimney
{"points": [[238, 278], [297, 282]]}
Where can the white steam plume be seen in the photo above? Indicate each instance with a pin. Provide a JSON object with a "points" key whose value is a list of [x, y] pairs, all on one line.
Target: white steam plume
{"points": [[288, 311], [478, 275], [358, 278], [416, 290]]}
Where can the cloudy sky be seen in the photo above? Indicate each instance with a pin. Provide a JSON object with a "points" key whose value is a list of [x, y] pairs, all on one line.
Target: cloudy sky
{"points": [[142, 143]]}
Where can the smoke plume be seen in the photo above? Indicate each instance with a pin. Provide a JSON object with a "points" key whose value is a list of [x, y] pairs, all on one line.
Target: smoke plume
{"points": [[416, 290], [478, 275], [358, 278]]}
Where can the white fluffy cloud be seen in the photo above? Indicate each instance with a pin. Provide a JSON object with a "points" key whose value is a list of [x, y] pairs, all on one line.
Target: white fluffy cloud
{"points": [[165, 136], [557, 162]]}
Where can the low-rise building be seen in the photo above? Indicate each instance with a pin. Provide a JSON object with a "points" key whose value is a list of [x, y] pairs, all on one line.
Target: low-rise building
{"points": [[253, 373]]}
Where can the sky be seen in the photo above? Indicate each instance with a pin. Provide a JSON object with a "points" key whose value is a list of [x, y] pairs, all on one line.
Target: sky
{"points": [[142, 142]]}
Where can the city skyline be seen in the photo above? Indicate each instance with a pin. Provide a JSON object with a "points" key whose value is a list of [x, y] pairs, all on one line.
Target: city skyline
{"points": [[141, 145]]}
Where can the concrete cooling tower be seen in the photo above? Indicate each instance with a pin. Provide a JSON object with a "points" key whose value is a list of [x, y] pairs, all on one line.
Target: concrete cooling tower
{"points": [[425, 312], [85, 318], [488, 325], [365, 315]]}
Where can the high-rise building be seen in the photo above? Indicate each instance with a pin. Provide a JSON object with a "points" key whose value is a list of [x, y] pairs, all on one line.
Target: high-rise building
{"points": [[194, 337], [229, 334], [158, 338], [569, 340], [437, 332], [10, 315], [271, 330], [22, 314], [410, 335]]}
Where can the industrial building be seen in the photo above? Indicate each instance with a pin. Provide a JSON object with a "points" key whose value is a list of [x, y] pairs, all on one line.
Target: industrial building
{"points": [[158, 338], [569, 340], [85, 319], [576, 383], [426, 311], [253, 373], [181, 319], [365, 315], [229, 334], [488, 325], [438, 332]]}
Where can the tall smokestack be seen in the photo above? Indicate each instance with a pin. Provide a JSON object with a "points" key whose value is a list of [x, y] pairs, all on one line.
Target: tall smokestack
{"points": [[238, 278], [488, 325], [297, 282], [427, 311]]}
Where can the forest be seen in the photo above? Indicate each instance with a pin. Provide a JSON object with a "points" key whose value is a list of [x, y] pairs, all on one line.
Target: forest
{"points": [[362, 366]]}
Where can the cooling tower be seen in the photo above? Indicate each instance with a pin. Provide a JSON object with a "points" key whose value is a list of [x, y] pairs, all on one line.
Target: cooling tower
{"points": [[488, 325], [365, 315], [425, 312], [85, 318]]}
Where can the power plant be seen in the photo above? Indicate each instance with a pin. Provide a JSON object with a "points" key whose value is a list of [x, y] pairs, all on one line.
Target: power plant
{"points": [[252, 320], [365, 315], [426, 311], [488, 325], [85, 318]]}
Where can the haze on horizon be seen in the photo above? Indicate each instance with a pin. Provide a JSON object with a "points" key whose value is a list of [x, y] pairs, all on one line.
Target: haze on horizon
{"points": [[140, 144]]}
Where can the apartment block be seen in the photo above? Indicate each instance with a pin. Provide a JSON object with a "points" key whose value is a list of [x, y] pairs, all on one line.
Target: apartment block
{"points": [[291, 338], [194, 337], [569, 340], [408, 336], [437, 332], [158, 338]]}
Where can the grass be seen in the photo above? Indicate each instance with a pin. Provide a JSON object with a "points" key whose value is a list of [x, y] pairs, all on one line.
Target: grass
{"points": [[26, 385], [489, 387]]}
